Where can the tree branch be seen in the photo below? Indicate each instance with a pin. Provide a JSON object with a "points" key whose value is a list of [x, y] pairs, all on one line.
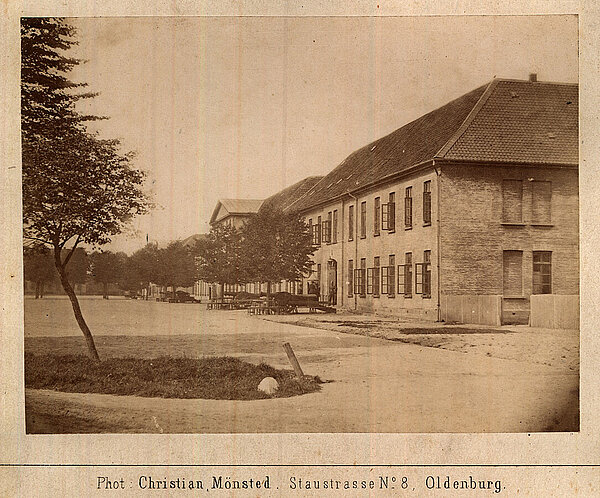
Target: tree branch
{"points": [[72, 251], [39, 240]]}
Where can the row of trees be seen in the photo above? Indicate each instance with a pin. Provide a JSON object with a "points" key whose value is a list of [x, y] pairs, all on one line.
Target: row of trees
{"points": [[273, 246], [80, 189]]}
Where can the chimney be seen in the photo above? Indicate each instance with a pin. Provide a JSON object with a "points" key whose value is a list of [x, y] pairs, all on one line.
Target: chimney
{"points": [[532, 77]]}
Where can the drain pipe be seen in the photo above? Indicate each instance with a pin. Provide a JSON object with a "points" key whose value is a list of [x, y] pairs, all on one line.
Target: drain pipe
{"points": [[355, 245], [438, 173]]}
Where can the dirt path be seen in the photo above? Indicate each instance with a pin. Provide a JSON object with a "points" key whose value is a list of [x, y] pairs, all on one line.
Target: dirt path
{"points": [[377, 385], [398, 388]]}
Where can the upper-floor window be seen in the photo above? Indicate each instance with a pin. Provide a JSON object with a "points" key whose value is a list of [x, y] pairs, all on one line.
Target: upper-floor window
{"points": [[541, 202], [376, 216], [350, 222], [542, 272], [334, 227], [316, 232], [363, 219], [408, 208], [388, 214], [327, 229], [512, 201], [427, 203]]}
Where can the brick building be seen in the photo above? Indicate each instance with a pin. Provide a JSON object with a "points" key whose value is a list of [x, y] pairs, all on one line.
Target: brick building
{"points": [[469, 213]]}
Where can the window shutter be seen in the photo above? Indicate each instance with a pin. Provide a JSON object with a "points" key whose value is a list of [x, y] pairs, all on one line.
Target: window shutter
{"points": [[541, 202], [391, 217], [408, 212], [391, 281], [512, 201], [512, 273]]}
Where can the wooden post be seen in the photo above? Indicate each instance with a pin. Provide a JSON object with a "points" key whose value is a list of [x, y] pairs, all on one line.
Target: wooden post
{"points": [[293, 360]]}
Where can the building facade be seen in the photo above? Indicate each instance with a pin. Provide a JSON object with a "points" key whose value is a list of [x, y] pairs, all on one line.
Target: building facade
{"points": [[467, 214]]}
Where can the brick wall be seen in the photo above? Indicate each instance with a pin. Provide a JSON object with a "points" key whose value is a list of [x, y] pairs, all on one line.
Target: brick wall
{"points": [[473, 236]]}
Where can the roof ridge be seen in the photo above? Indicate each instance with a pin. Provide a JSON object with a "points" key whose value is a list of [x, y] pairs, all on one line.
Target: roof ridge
{"points": [[468, 120]]}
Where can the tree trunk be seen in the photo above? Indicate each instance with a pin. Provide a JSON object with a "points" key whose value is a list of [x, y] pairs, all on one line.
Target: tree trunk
{"points": [[104, 290], [37, 290], [174, 292], [92, 352], [222, 292], [41, 289]]}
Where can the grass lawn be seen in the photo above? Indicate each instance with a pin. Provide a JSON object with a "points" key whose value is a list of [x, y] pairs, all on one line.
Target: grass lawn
{"points": [[163, 377]]}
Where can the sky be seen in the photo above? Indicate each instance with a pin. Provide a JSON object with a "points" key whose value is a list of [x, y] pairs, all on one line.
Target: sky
{"points": [[225, 107]]}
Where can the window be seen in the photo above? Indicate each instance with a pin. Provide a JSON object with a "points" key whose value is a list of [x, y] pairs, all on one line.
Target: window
{"points": [[376, 276], [369, 280], [405, 276], [316, 234], [423, 276], [385, 278], [377, 216], [512, 273], [363, 220], [408, 208], [391, 292], [359, 279], [541, 202], [350, 278], [350, 222], [512, 201], [542, 272], [427, 203], [334, 226], [388, 214], [327, 230]]}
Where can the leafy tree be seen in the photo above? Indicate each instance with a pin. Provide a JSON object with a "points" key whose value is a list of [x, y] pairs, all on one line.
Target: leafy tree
{"points": [[106, 268], [140, 268], [218, 256], [276, 246], [38, 267], [77, 188], [176, 267]]}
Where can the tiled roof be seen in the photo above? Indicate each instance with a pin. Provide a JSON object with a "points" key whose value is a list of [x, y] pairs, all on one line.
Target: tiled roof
{"points": [[284, 198], [521, 121], [503, 121]]}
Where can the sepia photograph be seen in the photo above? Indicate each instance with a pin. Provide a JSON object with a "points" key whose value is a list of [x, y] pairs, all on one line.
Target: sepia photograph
{"points": [[252, 225]]}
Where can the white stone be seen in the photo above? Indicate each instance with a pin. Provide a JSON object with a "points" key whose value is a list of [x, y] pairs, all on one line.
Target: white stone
{"points": [[268, 385]]}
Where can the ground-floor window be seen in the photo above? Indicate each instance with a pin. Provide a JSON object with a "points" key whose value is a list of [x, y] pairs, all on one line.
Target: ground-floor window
{"points": [[542, 272], [405, 274], [423, 276]]}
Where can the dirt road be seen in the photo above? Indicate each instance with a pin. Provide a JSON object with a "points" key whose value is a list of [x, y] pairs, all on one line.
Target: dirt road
{"points": [[376, 385]]}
